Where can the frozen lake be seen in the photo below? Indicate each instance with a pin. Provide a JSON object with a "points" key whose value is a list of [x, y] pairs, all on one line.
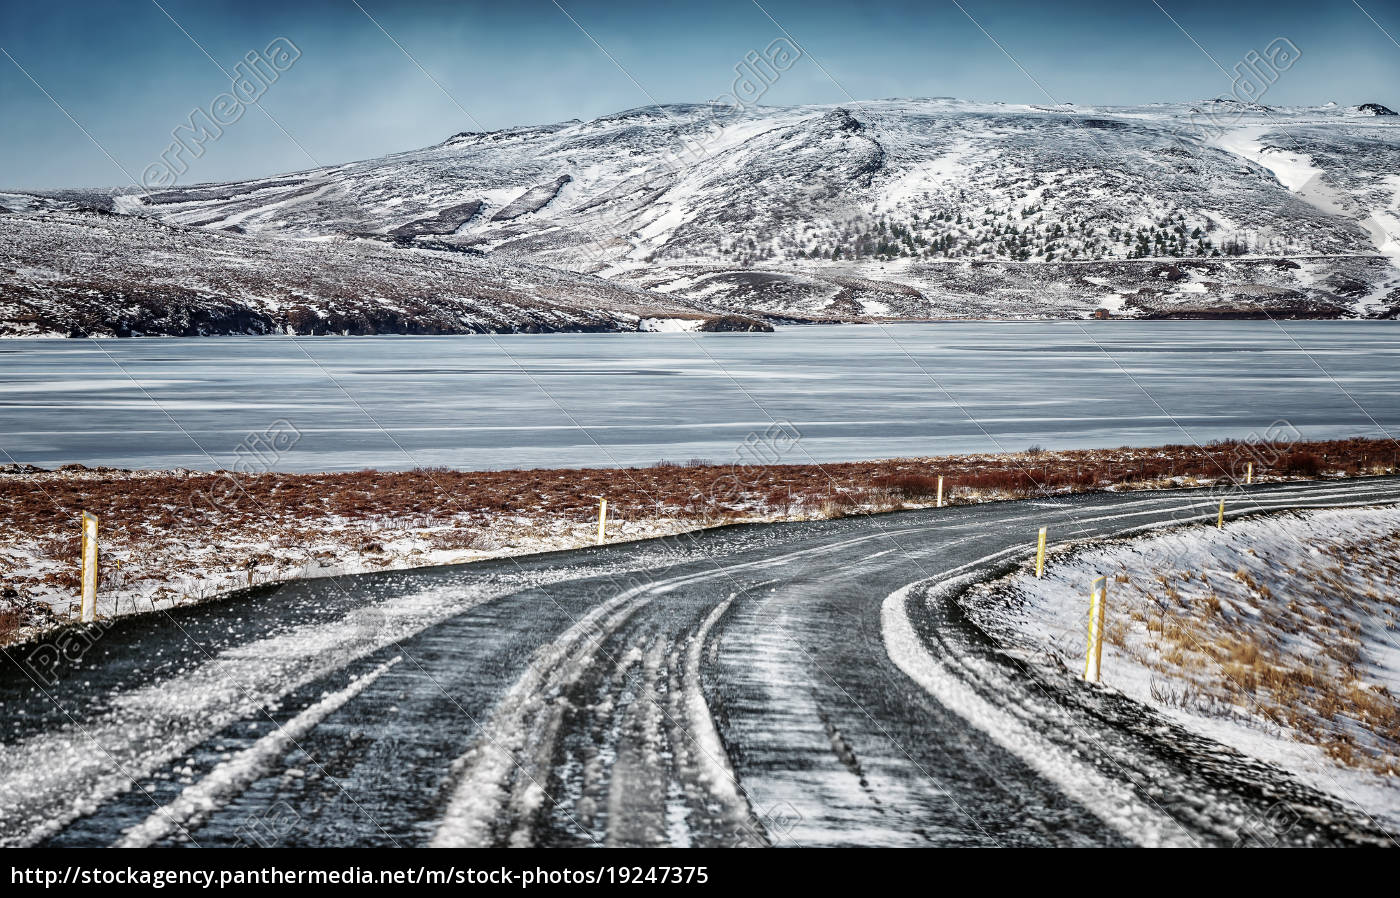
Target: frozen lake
{"points": [[621, 399]]}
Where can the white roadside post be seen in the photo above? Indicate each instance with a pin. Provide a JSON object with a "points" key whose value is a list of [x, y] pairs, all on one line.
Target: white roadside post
{"points": [[1040, 555], [602, 519], [89, 601], [1093, 653], [1249, 473], [940, 490]]}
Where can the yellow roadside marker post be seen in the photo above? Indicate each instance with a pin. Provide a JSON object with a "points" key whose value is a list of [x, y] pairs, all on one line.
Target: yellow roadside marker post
{"points": [[89, 600], [1220, 518], [1093, 652], [1040, 555], [602, 519], [940, 490], [1249, 473]]}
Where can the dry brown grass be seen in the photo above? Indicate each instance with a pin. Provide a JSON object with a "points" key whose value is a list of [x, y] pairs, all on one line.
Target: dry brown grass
{"points": [[1298, 659], [10, 622], [153, 501]]}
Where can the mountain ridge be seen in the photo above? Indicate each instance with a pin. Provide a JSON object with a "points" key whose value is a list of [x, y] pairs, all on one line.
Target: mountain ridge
{"points": [[888, 209]]}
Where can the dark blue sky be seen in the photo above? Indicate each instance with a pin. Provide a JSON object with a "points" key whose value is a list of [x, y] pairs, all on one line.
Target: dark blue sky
{"points": [[129, 75]]}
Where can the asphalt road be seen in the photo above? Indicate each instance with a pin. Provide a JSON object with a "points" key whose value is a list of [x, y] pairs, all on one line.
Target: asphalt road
{"points": [[795, 684]]}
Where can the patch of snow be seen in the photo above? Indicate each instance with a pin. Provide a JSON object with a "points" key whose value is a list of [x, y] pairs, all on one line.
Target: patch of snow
{"points": [[1293, 170], [1113, 302], [668, 325]]}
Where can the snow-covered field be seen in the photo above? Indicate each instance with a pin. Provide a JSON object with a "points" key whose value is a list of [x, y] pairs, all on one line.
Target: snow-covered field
{"points": [[1278, 635]]}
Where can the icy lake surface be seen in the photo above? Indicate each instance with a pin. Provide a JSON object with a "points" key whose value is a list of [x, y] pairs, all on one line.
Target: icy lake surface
{"points": [[856, 392]]}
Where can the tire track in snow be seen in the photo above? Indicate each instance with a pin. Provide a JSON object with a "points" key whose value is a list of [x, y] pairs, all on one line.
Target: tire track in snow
{"points": [[490, 776], [715, 771], [639, 771], [231, 777], [1112, 801], [53, 778]]}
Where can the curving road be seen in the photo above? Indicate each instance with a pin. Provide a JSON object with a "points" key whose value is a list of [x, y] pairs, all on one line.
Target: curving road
{"points": [[796, 684]]}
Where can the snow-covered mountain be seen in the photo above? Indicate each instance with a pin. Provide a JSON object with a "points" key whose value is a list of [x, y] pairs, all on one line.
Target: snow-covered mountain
{"points": [[75, 273], [895, 208]]}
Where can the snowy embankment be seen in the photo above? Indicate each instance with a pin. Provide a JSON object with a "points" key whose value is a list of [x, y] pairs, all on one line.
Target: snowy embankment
{"points": [[1277, 635]]}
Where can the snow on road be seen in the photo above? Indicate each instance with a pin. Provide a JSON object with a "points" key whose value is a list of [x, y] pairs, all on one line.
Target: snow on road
{"points": [[52, 778], [232, 776], [710, 752], [1113, 801], [492, 776]]}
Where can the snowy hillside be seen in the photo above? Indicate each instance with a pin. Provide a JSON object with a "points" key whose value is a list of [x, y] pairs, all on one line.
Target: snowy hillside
{"points": [[91, 273], [894, 208]]}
